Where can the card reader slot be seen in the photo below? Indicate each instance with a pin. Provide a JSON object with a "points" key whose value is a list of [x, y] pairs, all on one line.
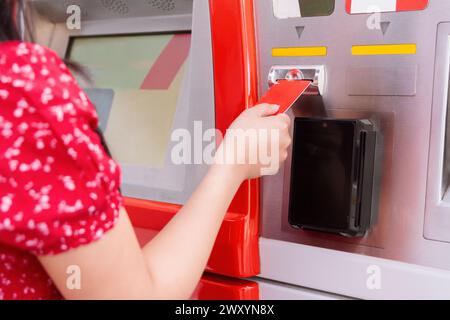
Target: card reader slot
{"points": [[332, 176], [360, 185]]}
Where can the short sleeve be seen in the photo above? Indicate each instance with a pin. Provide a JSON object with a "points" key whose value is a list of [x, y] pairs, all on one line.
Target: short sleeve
{"points": [[58, 187]]}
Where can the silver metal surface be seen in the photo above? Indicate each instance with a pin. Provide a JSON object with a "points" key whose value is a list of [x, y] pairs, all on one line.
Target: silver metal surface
{"points": [[291, 73], [400, 100], [382, 81], [437, 216], [271, 290], [349, 274]]}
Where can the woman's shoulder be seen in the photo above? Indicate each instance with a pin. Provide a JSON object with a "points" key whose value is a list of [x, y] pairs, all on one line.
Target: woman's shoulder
{"points": [[37, 73], [25, 65], [11, 51], [58, 187]]}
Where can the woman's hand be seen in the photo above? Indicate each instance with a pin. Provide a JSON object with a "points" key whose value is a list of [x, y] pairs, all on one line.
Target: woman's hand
{"points": [[256, 143]]}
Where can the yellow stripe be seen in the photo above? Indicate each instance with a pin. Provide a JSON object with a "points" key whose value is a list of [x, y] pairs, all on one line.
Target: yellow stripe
{"points": [[299, 52], [385, 49]]}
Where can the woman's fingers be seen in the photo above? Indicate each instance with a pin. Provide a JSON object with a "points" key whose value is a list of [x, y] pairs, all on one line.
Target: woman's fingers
{"points": [[260, 122], [265, 110]]}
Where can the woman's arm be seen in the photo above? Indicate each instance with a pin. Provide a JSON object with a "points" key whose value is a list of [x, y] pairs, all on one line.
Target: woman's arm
{"points": [[170, 266], [177, 257]]}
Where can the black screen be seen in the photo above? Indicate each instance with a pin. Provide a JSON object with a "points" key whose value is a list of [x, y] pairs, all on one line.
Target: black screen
{"points": [[321, 185]]}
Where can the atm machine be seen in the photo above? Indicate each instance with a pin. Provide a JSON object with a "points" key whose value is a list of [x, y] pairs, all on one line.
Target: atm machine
{"points": [[361, 209]]}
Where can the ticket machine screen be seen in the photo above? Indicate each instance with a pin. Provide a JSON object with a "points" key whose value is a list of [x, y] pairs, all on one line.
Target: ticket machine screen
{"points": [[137, 81]]}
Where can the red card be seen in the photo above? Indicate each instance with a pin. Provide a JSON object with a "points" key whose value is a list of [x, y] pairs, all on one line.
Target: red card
{"points": [[285, 93]]}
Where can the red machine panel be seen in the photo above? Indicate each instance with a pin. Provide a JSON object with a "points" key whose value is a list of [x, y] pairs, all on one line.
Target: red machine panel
{"points": [[220, 288], [236, 251]]}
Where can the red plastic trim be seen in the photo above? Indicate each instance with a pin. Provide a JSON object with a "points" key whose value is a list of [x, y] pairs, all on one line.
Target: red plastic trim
{"points": [[235, 78], [222, 288], [236, 251]]}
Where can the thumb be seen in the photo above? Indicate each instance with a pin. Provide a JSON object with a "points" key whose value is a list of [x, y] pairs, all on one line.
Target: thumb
{"points": [[266, 110]]}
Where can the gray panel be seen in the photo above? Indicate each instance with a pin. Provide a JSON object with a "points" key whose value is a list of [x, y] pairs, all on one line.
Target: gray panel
{"points": [[271, 290], [396, 89], [111, 9], [437, 219], [393, 81], [350, 275]]}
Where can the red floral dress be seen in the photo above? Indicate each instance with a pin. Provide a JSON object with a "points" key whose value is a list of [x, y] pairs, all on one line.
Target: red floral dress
{"points": [[58, 188]]}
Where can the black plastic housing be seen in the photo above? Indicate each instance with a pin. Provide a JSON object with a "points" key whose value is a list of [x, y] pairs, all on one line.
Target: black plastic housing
{"points": [[334, 185]]}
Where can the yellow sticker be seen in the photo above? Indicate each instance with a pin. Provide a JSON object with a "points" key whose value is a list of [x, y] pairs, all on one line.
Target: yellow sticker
{"points": [[385, 49], [300, 52]]}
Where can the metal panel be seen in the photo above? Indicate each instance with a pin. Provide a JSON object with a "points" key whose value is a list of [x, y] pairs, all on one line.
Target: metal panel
{"points": [[400, 102], [437, 219], [349, 274], [271, 290], [56, 10], [382, 81]]}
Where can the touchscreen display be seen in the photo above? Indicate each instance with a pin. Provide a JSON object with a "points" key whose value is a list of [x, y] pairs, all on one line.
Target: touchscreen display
{"points": [[137, 82]]}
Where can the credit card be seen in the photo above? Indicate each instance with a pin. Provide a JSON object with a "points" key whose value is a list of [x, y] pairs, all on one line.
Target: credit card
{"points": [[285, 93]]}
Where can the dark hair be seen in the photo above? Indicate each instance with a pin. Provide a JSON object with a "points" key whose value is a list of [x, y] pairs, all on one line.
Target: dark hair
{"points": [[9, 31]]}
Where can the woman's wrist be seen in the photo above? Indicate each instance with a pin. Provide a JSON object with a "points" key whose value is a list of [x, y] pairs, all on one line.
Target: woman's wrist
{"points": [[228, 173]]}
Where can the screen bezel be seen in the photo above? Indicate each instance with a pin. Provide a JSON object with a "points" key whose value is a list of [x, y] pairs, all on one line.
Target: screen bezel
{"points": [[62, 36], [72, 39]]}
